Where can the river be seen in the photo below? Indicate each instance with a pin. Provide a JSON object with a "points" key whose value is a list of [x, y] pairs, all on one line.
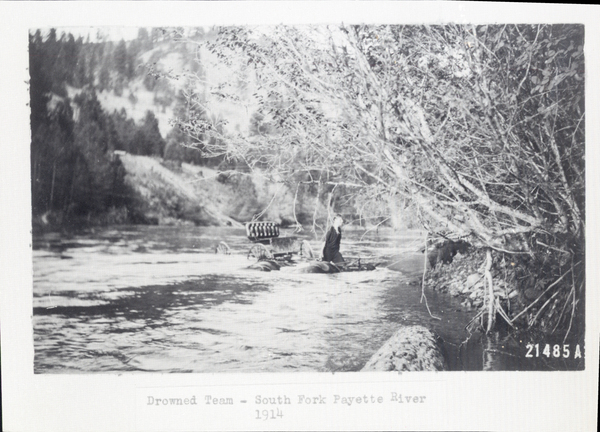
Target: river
{"points": [[158, 299]]}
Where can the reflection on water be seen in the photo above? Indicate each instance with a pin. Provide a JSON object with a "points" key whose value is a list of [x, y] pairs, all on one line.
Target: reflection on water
{"points": [[158, 299]]}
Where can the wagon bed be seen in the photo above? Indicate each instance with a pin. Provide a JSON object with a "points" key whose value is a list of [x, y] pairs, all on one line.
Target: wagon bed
{"points": [[268, 243]]}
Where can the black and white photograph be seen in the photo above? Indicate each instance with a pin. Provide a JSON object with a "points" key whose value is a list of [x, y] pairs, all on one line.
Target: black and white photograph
{"points": [[338, 199], [289, 198]]}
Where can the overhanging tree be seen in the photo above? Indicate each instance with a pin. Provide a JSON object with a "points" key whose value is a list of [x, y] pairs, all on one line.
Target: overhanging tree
{"points": [[481, 128]]}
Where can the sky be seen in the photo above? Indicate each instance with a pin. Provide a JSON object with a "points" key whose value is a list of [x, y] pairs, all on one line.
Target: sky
{"points": [[114, 34], [108, 33]]}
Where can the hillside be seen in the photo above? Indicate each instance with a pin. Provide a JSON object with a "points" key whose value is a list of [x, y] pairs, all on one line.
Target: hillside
{"points": [[92, 100], [165, 193]]}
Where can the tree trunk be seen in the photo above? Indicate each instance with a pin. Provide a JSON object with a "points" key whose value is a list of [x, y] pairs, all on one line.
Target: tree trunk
{"points": [[52, 187], [488, 277]]}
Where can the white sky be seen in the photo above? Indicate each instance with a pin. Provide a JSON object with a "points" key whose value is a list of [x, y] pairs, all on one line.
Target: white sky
{"points": [[109, 33]]}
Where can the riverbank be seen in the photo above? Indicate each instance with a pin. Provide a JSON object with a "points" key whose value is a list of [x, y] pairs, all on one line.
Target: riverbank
{"points": [[464, 278], [169, 193], [518, 294]]}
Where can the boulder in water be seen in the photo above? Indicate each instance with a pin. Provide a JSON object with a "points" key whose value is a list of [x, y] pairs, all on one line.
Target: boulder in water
{"points": [[445, 252], [412, 348]]}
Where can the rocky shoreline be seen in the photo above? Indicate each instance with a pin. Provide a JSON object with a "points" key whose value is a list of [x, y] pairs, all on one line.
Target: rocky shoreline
{"points": [[417, 348], [464, 278]]}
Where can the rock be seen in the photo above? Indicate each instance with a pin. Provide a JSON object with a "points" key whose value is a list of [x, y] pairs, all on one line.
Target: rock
{"points": [[473, 279], [432, 257], [532, 293], [412, 348], [446, 251]]}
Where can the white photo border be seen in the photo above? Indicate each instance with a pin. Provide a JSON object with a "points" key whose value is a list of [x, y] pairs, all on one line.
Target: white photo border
{"points": [[100, 402]]}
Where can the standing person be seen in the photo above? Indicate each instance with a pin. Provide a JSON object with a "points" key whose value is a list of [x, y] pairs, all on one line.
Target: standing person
{"points": [[331, 247]]}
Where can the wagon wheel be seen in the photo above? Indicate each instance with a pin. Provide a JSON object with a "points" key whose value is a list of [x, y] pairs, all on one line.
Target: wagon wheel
{"points": [[306, 250], [223, 248], [260, 252]]}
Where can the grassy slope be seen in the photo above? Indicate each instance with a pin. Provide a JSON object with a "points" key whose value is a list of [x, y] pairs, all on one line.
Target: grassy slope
{"points": [[166, 193]]}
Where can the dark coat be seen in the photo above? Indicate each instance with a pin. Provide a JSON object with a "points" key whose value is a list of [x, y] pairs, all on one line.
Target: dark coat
{"points": [[332, 244]]}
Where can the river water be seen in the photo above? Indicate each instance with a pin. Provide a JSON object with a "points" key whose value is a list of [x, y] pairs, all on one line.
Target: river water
{"points": [[158, 299]]}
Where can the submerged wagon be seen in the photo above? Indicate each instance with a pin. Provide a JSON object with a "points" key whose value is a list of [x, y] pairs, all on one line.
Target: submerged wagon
{"points": [[269, 245], [273, 251]]}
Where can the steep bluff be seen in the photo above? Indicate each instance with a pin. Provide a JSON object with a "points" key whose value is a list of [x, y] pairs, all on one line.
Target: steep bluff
{"points": [[166, 193]]}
